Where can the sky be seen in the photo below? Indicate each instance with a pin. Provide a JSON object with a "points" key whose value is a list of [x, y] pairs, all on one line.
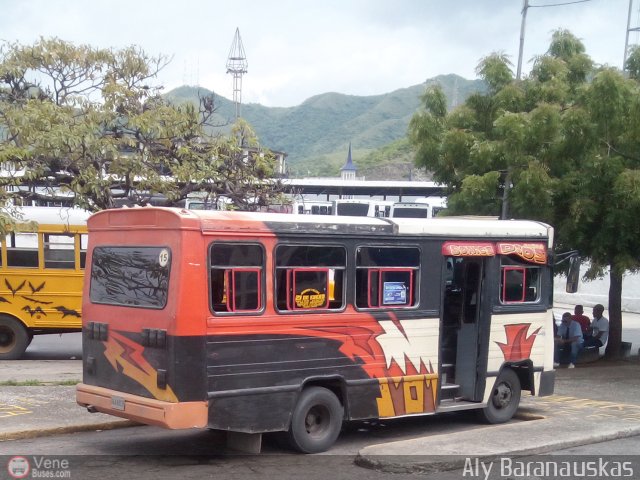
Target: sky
{"points": [[296, 49]]}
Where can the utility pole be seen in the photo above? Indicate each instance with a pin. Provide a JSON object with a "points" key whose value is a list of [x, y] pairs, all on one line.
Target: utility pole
{"points": [[525, 8], [626, 40], [504, 213]]}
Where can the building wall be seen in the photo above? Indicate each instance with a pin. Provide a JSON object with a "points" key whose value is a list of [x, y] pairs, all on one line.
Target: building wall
{"points": [[597, 291]]}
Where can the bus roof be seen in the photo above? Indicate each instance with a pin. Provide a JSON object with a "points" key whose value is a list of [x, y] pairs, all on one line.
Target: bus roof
{"points": [[214, 220], [52, 215]]}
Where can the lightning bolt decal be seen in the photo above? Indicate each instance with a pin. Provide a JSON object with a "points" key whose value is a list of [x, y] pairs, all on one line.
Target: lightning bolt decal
{"points": [[126, 357]]}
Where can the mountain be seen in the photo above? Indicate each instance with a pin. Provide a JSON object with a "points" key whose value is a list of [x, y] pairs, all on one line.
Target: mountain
{"points": [[316, 133]]}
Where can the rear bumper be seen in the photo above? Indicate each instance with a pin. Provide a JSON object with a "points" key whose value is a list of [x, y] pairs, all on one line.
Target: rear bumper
{"points": [[144, 410]]}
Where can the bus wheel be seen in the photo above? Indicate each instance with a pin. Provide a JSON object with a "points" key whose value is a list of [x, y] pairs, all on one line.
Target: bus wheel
{"points": [[504, 400], [14, 339], [316, 420]]}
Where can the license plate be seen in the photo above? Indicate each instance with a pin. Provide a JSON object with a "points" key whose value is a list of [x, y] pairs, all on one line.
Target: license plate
{"points": [[117, 403]]}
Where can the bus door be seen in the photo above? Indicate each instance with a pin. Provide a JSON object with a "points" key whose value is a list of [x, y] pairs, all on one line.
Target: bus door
{"points": [[467, 345], [461, 320]]}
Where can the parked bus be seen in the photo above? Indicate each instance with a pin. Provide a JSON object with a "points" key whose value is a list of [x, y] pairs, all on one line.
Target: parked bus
{"points": [[312, 207], [427, 207], [410, 210], [258, 322], [42, 270], [362, 207]]}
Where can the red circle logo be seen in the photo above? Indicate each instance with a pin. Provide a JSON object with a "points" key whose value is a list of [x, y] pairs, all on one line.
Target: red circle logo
{"points": [[18, 467]]}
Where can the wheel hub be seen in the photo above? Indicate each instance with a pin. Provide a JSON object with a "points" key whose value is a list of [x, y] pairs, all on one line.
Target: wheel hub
{"points": [[502, 395], [316, 421], [7, 338]]}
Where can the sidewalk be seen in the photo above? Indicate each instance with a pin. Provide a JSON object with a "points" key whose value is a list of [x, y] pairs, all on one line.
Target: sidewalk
{"points": [[36, 411]]}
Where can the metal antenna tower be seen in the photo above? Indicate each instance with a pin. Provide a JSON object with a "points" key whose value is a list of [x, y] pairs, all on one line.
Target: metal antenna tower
{"points": [[237, 65], [629, 30]]}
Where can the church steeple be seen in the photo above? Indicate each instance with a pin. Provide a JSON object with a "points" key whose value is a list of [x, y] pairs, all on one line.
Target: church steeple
{"points": [[348, 172]]}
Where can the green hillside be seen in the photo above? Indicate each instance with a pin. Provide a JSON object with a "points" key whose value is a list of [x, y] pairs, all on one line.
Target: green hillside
{"points": [[316, 133]]}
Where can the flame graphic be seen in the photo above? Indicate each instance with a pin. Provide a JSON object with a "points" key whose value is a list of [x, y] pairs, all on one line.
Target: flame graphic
{"points": [[518, 346], [120, 351]]}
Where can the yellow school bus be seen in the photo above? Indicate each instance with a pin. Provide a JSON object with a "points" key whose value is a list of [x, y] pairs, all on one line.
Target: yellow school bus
{"points": [[41, 270]]}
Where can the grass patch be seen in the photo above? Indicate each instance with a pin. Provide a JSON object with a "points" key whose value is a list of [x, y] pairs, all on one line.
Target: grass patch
{"points": [[37, 383]]}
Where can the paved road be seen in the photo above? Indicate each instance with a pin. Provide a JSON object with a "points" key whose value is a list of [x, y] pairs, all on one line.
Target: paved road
{"points": [[153, 454], [67, 346]]}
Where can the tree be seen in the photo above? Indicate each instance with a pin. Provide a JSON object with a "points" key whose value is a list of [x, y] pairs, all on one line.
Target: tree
{"points": [[563, 143], [91, 122]]}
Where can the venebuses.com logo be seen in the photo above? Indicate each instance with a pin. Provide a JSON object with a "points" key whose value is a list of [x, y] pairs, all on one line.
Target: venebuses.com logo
{"points": [[38, 467], [18, 467]]}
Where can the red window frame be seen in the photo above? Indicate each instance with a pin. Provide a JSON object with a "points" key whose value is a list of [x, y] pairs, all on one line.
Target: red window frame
{"points": [[291, 288], [504, 284], [230, 275], [381, 272]]}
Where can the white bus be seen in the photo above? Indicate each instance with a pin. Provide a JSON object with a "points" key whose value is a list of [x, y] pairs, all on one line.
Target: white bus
{"points": [[428, 207], [312, 207], [353, 207]]}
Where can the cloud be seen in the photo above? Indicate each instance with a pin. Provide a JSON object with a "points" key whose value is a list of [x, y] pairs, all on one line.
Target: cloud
{"points": [[297, 49]]}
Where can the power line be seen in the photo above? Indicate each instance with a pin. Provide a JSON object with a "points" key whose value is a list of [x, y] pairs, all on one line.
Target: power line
{"points": [[525, 7], [559, 4]]}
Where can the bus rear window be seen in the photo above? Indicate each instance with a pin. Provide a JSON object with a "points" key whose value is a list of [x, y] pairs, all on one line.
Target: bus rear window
{"points": [[130, 276]]}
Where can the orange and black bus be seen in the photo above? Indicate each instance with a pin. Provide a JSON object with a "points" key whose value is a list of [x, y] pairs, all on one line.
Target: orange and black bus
{"points": [[259, 322]]}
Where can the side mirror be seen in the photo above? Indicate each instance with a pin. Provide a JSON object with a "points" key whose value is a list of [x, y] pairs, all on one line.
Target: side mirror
{"points": [[573, 277]]}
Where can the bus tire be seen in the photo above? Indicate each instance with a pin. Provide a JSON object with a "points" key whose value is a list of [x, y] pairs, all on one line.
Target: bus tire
{"points": [[316, 420], [504, 399], [14, 338]]}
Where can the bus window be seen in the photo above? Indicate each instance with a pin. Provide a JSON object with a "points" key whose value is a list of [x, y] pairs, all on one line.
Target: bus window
{"points": [[22, 249], [386, 277], [130, 276], [84, 241], [236, 277], [519, 283], [59, 251], [310, 277]]}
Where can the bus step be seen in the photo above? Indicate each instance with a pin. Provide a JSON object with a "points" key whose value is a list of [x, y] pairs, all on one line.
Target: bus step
{"points": [[457, 403], [449, 386], [448, 391]]}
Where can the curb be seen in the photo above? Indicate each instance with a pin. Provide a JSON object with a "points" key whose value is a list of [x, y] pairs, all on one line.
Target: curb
{"points": [[441, 463], [47, 432]]}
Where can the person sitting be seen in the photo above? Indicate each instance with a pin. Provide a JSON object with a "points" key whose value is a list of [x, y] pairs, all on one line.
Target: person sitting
{"points": [[599, 328], [569, 338], [582, 319]]}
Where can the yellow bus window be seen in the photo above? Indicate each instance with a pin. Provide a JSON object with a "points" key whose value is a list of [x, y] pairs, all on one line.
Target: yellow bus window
{"points": [[59, 251], [84, 241], [22, 249]]}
